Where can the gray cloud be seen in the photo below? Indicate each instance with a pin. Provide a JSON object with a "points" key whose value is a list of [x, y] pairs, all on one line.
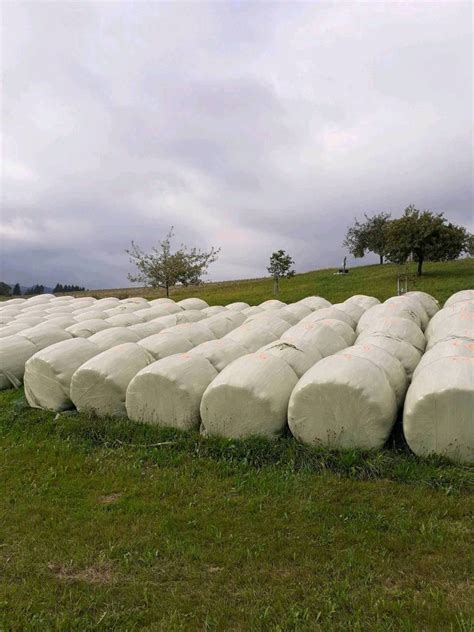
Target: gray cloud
{"points": [[252, 126]]}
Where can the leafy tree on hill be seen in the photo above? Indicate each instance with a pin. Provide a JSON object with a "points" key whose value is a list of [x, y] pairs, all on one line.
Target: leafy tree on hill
{"points": [[163, 268], [16, 290], [280, 266], [425, 236], [368, 236]]}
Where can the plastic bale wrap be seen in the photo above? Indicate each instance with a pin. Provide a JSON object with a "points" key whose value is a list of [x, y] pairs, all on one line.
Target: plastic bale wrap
{"points": [[169, 392], [161, 346], [252, 336], [44, 335], [460, 325], [48, 373], [61, 321], [100, 384], [192, 303], [14, 352], [399, 328], [391, 365], [14, 328], [298, 310], [300, 360], [213, 310], [190, 316], [354, 310], [162, 301], [446, 349], [309, 336], [463, 307], [88, 328], [332, 313], [270, 315], [249, 397], [386, 310], [150, 314], [272, 304], [314, 302], [463, 295], [403, 351], [114, 336], [89, 315], [222, 324], [411, 303], [143, 330], [438, 417], [196, 333], [363, 300], [118, 310], [251, 311], [343, 402], [239, 306], [430, 304], [124, 320], [271, 320], [220, 352]]}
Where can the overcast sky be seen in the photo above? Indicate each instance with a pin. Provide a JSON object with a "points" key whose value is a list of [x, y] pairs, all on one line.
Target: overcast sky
{"points": [[249, 126]]}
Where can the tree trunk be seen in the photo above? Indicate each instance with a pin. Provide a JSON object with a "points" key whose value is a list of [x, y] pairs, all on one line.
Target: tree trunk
{"points": [[381, 259], [167, 290], [420, 265], [275, 286]]}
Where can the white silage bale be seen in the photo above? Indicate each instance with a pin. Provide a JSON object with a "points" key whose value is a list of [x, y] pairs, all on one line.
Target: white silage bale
{"points": [[404, 351], [90, 314], [300, 360], [114, 336], [169, 392], [124, 320], [48, 373], [190, 316], [15, 301], [308, 336], [271, 320], [45, 335], [398, 328], [162, 301], [31, 313], [139, 301], [84, 302], [463, 307], [330, 312], [148, 329], [438, 415], [343, 402], [161, 346], [272, 304], [453, 347], [221, 324], [239, 306], [271, 314], [413, 304], [362, 299], [251, 311], [391, 365], [152, 313], [30, 321], [249, 397], [343, 329], [252, 336], [107, 302], [14, 352], [196, 333], [296, 309], [463, 295], [314, 302], [386, 310], [100, 384], [14, 328], [123, 308], [354, 310], [214, 309], [460, 325], [192, 303], [59, 309], [38, 300], [88, 328], [220, 352], [61, 321], [430, 304]]}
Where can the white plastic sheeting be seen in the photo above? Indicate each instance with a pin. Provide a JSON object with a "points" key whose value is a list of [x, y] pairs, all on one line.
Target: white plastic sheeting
{"points": [[397, 328], [88, 328], [14, 352], [403, 351], [192, 303], [114, 336], [314, 302], [464, 295]]}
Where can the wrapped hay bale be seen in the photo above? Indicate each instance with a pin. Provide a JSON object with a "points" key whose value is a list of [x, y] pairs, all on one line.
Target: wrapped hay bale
{"points": [[344, 402], [249, 397], [14, 352], [463, 295], [168, 392], [354, 310], [219, 353], [29, 321], [252, 336], [143, 330], [251, 311], [161, 346], [89, 314], [48, 373], [222, 324], [190, 316], [363, 300], [438, 415], [453, 347], [298, 310], [88, 328], [315, 336], [343, 329], [460, 325], [239, 306], [402, 350], [213, 310], [162, 301], [332, 313], [271, 320], [196, 333], [124, 320], [272, 304], [463, 307], [44, 335], [314, 302], [430, 304], [192, 303], [398, 328], [14, 328], [123, 308], [300, 360], [100, 384], [412, 304], [112, 337], [387, 310], [61, 321], [152, 313]]}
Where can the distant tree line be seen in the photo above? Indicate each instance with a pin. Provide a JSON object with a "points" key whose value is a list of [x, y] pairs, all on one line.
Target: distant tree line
{"points": [[59, 287], [417, 236]]}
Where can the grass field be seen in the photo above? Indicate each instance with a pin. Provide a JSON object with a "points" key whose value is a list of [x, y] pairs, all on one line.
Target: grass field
{"points": [[112, 525], [439, 279]]}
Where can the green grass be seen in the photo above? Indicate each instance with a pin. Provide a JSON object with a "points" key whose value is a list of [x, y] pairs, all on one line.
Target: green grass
{"points": [[103, 529], [439, 279]]}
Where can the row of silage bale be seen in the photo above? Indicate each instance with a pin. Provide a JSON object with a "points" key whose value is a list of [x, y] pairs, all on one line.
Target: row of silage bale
{"points": [[351, 399], [438, 416], [169, 391], [250, 396]]}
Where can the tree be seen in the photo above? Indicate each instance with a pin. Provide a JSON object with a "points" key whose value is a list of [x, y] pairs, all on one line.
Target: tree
{"points": [[59, 287], [425, 236], [5, 289], [36, 289], [16, 290], [164, 268], [280, 266], [368, 236]]}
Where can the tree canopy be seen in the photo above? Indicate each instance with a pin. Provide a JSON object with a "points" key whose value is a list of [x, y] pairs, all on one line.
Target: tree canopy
{"points": [[59, 287], [280, 266], [425, 236], [16, 290], [162, 268], [368, 236]]}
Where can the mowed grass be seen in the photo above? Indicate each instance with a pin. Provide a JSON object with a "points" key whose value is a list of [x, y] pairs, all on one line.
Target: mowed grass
{"points": [[439, 279], [111, 525]]}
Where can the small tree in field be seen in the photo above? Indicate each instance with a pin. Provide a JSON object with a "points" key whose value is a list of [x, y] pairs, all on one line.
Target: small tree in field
{"points": [[368, 236], [280, 266], [163, 268], [425, 236]]}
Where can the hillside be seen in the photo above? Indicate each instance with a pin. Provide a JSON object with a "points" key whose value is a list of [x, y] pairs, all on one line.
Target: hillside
{"points": [[439, 279]]}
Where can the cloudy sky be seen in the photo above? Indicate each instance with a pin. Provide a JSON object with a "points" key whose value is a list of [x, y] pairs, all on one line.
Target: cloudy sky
{"points": [[250, 126]]}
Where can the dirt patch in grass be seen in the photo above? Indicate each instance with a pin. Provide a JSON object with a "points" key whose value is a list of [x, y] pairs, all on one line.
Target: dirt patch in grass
{"points": [[97, 574], [109, 499]]}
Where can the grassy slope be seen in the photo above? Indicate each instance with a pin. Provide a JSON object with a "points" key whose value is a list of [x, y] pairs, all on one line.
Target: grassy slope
{"points": [[439, 279], [100, 532], [97, 533]]}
